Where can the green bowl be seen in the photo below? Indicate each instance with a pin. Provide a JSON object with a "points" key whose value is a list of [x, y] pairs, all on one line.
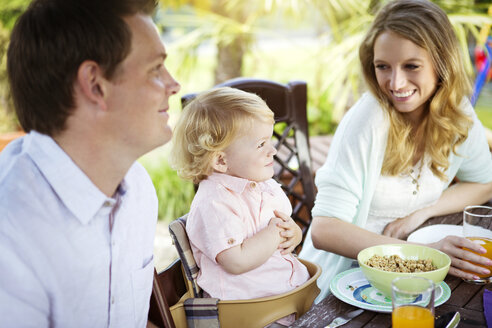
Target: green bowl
{"points": [[381, 280]]}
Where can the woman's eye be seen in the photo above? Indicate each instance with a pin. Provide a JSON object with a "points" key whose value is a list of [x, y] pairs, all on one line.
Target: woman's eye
{"points": [[380, 66], [411, 67], [261, 145]]}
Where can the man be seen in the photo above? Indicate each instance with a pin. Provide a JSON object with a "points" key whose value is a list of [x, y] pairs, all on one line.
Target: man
{"points": [[77, 213]]}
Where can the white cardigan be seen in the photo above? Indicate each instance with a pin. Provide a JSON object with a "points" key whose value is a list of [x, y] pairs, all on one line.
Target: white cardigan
{"points": [[347, 180]]}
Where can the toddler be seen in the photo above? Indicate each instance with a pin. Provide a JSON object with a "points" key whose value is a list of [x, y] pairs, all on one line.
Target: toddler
{"points": [[239, 224]]}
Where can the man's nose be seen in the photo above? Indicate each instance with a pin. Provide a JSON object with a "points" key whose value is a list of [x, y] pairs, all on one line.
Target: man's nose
{"points": [[172, 85]]}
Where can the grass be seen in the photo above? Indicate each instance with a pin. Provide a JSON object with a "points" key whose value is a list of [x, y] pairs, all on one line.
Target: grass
{"points": [[483, 107], [485, 116]]}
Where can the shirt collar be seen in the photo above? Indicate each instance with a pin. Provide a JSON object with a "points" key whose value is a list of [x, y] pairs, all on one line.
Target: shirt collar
{"points": [[72, 186], [238, 185]]}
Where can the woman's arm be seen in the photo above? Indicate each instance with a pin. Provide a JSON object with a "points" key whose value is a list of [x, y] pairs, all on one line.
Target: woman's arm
{"points": [[453, 199], [346, 239], [254, 251], [343, 238]]}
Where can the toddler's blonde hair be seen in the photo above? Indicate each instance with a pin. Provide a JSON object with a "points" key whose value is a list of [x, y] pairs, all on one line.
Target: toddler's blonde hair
{"points": [[209, 124]]}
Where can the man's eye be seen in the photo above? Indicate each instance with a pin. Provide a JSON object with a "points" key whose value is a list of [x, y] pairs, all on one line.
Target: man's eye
{"points": [[158, 68]]}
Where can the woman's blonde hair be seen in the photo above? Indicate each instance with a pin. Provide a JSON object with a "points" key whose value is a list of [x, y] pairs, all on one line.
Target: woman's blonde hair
{"points": [[209, 124], [445, 125]]}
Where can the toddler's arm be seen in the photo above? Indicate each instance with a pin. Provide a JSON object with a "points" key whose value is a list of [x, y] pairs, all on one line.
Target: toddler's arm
{"points": [[291, 232], [254, 251]]}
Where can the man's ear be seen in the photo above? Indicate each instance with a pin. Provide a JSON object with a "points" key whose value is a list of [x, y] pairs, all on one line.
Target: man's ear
{"points": [[219, 162], [92, 83]]}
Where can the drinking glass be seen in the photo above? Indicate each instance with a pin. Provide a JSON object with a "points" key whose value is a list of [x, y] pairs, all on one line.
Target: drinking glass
{"points": [[413, 302], [477, 222]]}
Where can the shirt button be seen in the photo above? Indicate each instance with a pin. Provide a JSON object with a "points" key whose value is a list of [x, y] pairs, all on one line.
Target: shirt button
{"points": [[253, 184], [230, 241], [107, 203], [112, 300]]}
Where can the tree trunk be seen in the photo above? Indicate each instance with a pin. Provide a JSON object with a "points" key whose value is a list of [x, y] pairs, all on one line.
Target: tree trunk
{"points": [[229, 60], [230, 54]]}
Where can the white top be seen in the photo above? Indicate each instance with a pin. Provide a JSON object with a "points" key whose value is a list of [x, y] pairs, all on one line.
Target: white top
{"points": [[61, 266], [388, 204], [347, 181]]}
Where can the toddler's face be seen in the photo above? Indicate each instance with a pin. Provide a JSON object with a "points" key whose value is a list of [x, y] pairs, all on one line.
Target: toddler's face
{"points": [[250, 156]]}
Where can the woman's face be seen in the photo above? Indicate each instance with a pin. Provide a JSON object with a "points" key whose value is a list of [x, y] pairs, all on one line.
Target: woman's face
{"points": [[405, 73]]}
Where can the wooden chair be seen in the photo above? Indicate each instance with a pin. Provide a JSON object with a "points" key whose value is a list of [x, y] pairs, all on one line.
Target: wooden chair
{"points": [[178, 283], [167, 288], [293, 167]]}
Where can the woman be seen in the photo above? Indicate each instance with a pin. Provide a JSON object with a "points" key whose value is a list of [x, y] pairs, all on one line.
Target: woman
{"points": [[400, 146]]}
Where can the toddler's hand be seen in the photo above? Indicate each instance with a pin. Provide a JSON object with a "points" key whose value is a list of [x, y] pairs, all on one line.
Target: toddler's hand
{"points": [[276, 229], [275, 222], [291, 233]]}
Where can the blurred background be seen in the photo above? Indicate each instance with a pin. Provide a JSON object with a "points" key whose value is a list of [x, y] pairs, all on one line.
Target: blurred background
{"points": [[210, 41]]}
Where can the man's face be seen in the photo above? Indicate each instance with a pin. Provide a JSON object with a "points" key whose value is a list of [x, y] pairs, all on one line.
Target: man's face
{"points": [[138, 95]]}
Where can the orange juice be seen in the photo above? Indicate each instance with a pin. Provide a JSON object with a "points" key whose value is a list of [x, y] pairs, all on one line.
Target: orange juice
{"points": [[411, 316], [487, 244]]}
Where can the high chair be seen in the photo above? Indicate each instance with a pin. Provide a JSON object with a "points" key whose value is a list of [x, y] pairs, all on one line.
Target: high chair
{"points": [[251, 313]]}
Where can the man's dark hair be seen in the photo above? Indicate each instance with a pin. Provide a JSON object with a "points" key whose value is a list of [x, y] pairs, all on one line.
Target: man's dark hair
{"points": [[50, 41]]}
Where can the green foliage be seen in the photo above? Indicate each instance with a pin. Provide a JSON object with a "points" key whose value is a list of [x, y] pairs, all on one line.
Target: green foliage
{"points": [[8, 120], [483, 107], [331, 68], [174, 194], [485, 116], [9, 11]]}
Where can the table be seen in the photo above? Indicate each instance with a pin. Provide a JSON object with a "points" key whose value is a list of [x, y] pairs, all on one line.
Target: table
{"points": [[465, 298]]}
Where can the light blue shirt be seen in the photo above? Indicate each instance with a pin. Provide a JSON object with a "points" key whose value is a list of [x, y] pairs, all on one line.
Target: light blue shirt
{"points": [[347, 180], [60, 265]]}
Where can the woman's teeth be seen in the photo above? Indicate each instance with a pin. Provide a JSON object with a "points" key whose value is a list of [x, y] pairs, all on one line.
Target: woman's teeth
{"points": [[403, 94]]}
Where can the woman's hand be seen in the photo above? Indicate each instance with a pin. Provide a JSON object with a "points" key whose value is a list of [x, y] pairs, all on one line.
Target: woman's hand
{"points": [[291, 233], [401, 228], [453, 246]]}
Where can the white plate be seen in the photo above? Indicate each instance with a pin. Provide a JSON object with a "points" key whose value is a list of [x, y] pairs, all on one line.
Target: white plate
{"points": [[352, 287], [435, 233]]}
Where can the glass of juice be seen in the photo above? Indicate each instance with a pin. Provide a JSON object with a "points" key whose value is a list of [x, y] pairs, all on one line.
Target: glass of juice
{"points": [[413, 302], [477, 225]]}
